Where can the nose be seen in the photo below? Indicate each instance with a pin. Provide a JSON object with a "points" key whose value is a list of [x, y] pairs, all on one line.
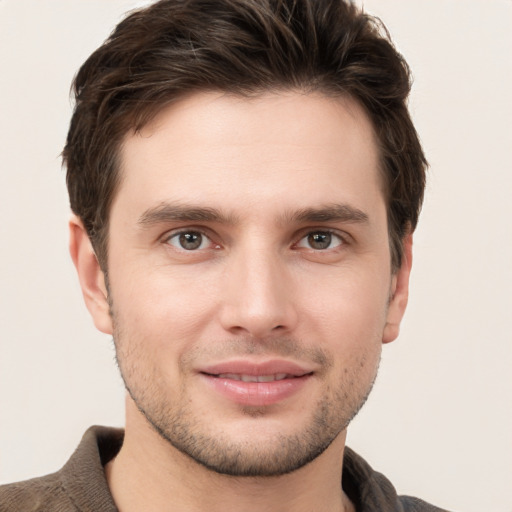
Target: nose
{"points": [[258, 295]]}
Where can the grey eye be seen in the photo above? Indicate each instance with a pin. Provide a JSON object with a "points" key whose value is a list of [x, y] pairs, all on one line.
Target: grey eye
{"points": [[320, 240], [189, 240]]}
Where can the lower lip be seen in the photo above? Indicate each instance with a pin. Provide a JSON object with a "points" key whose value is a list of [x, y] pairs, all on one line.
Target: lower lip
{"points": [[256, 394]]}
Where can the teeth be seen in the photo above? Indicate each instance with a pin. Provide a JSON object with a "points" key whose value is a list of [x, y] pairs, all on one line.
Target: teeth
{"points": [[254, 378], [231, 376], [266, 378]]}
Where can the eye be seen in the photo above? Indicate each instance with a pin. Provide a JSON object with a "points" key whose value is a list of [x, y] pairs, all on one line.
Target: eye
{"points": [[321, 240], [189, 240]]}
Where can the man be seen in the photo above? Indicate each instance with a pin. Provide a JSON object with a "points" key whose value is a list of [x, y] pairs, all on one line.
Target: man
{"points": [[245, 181]]}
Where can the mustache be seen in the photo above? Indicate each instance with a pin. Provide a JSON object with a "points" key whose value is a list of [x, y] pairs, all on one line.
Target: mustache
{"points": [[270, 346], [283, 347]]}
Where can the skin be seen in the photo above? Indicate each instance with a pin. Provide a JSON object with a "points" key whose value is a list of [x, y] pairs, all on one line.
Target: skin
{"points": [[280, 274]]}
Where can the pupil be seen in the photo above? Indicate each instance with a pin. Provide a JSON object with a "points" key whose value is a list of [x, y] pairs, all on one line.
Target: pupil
{"points": [[319, 240], [190, 241]]}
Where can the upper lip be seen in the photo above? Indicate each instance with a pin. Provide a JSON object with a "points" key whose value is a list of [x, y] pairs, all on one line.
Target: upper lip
{"points": [[258, 368]]}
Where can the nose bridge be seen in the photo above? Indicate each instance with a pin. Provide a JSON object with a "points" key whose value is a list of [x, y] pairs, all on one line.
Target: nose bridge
{"points": [[258, 290]]}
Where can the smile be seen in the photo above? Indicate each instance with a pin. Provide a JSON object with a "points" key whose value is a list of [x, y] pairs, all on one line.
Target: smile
{"points": [[255, 378], [257, 384]]}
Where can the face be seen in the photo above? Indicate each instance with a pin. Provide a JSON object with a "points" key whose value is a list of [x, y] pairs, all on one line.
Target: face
{"points": [[250, 281]]}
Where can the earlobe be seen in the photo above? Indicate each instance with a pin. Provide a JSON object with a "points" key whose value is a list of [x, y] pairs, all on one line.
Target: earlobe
{"points": [[399, 294], [90, 275]]}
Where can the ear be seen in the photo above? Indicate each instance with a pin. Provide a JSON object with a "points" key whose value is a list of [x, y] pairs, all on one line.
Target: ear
{"points": [[90, 275], [399, 294]]}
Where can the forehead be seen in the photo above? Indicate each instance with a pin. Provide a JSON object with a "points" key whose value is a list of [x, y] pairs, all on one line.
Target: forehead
{"points": [[215, 149]]}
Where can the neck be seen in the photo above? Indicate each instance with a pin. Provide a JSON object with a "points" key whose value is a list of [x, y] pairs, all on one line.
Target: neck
{"points": [[150, 474]]}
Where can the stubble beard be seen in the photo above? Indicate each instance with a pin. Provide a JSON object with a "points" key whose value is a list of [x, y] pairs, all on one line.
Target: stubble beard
{"points": [[179, 423]]}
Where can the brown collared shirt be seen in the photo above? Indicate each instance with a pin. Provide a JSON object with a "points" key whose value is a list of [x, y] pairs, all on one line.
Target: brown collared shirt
{"points": [[81, 486]]}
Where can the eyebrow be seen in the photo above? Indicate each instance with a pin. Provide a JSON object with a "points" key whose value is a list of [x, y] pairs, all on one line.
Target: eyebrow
{"points": [[329, 213], [174, 212]]}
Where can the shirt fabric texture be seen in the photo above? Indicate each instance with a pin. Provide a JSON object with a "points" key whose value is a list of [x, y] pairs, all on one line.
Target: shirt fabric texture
{"points": [[81, 484]]}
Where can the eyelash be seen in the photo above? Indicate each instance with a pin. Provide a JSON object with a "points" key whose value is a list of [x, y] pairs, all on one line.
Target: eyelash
{"points": [[310, 232], [329, 233], [176, 234]]}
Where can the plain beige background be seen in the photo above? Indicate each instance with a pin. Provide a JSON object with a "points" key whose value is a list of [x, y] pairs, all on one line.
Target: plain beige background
{"points": [[439, 423]]}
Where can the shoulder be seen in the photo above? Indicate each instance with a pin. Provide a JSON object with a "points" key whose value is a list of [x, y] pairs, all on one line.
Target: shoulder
{"points": [[38, 494], [371, 490], [79, 485], [410, 504]]}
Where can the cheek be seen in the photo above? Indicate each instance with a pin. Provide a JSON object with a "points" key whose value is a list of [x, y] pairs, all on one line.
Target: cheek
{"points": [[351, 306], [162, 308]]}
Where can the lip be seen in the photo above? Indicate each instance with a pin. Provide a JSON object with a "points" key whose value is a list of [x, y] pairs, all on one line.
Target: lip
{"points": [[256, 394], [249, 367]]}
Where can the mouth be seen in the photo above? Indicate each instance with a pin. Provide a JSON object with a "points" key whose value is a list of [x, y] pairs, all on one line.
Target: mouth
{"points": [[254, 384], [255, 378]]}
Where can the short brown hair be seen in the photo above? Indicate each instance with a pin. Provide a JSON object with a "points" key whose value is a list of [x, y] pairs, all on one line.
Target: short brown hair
{"points": [[158, 54]]}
